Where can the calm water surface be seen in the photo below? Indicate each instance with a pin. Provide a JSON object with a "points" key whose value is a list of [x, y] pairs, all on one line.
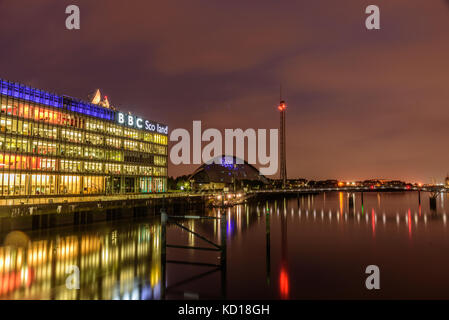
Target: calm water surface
{"points": [[315, 246]]}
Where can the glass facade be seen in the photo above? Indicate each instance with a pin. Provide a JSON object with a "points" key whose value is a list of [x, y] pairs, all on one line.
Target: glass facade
{"points": [[56, 146]]}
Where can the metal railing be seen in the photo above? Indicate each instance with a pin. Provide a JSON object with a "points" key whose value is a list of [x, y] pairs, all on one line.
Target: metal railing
{"points": [[215, 248]]}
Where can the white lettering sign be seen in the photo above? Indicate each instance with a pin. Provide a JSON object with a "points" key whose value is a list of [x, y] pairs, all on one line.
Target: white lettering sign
{"points": [[139, 123]]}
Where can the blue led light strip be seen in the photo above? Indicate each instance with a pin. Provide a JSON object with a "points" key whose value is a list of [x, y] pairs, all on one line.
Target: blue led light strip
{"points": [[19, 91], [23, 92], [26, 93]]}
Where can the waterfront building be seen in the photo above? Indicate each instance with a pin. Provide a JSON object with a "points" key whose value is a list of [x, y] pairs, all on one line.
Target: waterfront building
{"points": [[55, 145]]}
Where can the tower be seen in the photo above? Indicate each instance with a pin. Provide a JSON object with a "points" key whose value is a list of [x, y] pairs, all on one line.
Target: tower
{"points": [[283, 160]]}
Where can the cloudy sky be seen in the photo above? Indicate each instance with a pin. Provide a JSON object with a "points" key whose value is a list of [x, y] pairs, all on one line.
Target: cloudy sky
{"points": [[361, 103]]}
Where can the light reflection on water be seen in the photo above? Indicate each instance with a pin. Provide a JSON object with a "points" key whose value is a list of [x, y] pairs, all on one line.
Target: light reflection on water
{"points": [[313, 246], [110, 260]]}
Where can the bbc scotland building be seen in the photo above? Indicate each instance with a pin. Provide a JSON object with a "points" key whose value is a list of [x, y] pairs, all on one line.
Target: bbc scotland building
{"points": [[53, 145]]}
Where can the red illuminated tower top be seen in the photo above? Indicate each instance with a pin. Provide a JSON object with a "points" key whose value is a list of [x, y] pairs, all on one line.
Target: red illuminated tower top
{"points": [[282, 106], [283, 160]]}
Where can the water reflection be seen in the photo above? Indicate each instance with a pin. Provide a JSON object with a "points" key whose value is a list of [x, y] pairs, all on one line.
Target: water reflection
{"points": [[113, 264], [268, 242], [284, 281], [280, 248]]}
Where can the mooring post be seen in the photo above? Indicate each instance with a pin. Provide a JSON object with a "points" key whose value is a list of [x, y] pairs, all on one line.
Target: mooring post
{"points": [[433, 203], [223, 224], [419, 197], [351, 203], [164, 219]]}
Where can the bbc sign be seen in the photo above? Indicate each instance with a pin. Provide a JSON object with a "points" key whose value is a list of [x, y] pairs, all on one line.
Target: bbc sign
{"points": [[139, 123]]}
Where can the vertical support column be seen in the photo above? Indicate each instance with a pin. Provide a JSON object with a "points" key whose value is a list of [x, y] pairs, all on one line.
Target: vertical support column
{"points": [[223, 224], [164, 219], [58, 179], [284, 151]]}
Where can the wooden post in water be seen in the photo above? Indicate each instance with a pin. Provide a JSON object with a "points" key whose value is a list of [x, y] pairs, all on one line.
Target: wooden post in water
{"points": [[433, 203], [351, 201]]}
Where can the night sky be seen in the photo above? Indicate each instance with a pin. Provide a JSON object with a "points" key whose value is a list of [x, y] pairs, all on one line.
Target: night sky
{"points": [[361, 104]]}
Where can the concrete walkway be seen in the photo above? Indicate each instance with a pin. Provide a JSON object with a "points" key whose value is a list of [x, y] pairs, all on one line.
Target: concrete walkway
{"points": [[87, 198]]}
